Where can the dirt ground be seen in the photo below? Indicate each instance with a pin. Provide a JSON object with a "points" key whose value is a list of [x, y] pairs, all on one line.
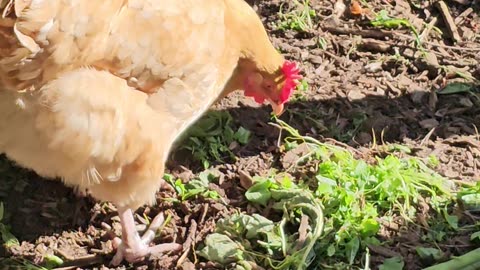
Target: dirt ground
{"points": [[360, 79]]}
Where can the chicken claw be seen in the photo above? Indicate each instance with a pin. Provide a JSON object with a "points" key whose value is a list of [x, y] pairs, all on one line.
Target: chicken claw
{"points": [[131, 247]]}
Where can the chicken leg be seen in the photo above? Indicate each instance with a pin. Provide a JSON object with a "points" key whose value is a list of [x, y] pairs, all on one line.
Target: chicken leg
{"points": [[131, 247]]}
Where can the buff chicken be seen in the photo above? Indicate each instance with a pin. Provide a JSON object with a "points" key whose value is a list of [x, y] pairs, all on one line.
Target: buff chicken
{"points": [[95, 93]]}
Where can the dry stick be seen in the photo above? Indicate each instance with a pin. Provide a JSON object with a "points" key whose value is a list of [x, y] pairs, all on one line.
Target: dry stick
{"points": [[384, 34], [382, 251], [426, 32], [189, 242], [451, 26], [338, 59], [344, 145], [64, 254], [204, 212], [443, 59], [427, 137], [378, 34], [458, 48], [82, 262]]}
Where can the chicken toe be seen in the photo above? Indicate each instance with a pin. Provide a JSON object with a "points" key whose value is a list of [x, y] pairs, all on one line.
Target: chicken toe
{"points": [[134, 248]]}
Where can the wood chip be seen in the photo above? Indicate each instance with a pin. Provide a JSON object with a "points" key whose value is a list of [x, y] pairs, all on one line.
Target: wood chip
{"points": [[339, 9], [302, 232], [463, 15], [428, 123], [450, 23], [246, 181], [375, 45]]}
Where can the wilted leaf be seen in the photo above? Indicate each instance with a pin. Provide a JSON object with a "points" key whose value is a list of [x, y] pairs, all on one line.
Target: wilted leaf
{"points": [[475, 236], [246, 226], [352, 249], [452, 220], [429, 253], [257, 224], [259, 192], [455, 88], [253, 225], [220, 248], [395, 263], [8, 238]]}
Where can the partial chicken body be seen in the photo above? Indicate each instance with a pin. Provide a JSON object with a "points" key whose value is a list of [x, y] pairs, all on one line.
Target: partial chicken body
{"points": [[96, 92]]}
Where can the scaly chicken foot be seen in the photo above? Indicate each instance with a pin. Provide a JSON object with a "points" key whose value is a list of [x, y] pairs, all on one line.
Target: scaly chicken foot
{"points": [[134, 248]]}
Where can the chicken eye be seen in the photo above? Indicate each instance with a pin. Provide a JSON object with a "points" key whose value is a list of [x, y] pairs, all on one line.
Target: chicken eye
{"points": [[269, 86]]}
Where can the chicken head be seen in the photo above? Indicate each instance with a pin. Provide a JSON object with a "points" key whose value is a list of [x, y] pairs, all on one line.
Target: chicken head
{"points": [[276, 88]]}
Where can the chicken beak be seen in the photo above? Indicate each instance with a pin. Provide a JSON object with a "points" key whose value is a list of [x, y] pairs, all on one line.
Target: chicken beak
{"points": [[277, 108]]}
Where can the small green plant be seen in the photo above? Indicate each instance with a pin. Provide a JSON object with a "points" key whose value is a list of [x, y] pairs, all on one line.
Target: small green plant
{"points": [[356, 195], [383, 20], [21, 264], [8, 239], [213, 137], [458, 88], [322, 43], [334, 214], [302, 89], [299, 19], [469, 197], [395, 263], [195, 187], [351, 130]]}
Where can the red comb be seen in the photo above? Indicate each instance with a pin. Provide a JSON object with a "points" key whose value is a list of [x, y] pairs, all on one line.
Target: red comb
{"points": [[292, 74]]}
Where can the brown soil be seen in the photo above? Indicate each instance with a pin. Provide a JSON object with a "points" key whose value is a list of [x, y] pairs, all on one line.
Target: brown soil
{"points": [[364, 79]]}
